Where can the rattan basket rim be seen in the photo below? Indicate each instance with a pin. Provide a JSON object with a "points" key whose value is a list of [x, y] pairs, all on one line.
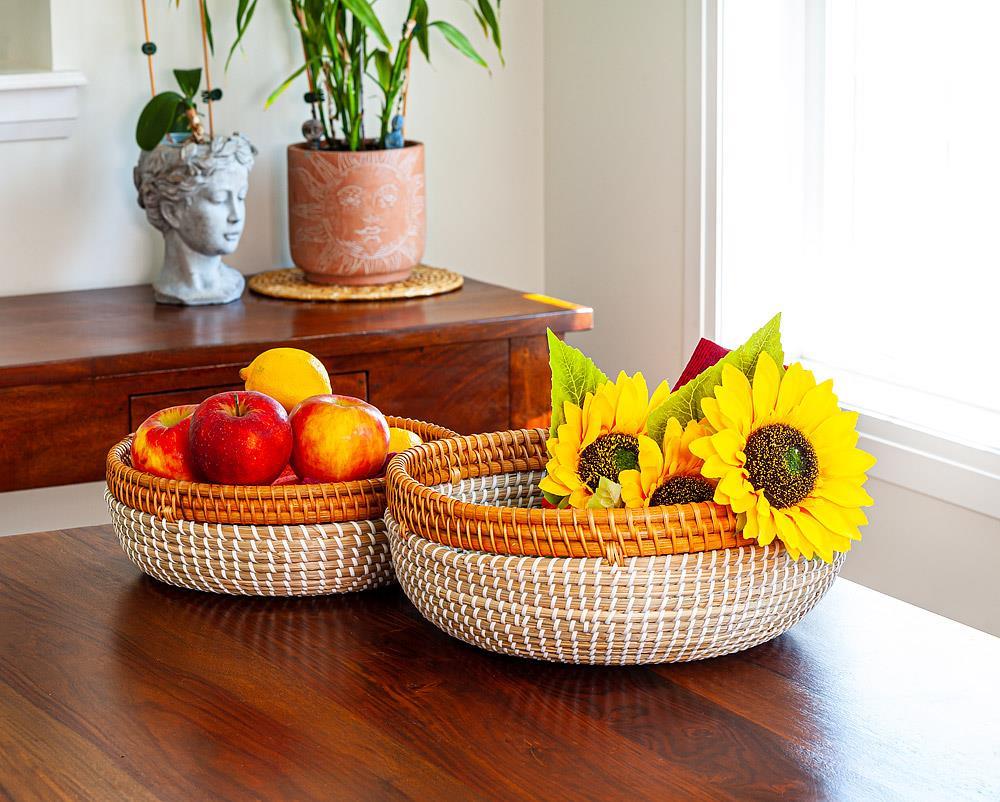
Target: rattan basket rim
{"points": [[120, 474], [402, 482], [609, 533]]}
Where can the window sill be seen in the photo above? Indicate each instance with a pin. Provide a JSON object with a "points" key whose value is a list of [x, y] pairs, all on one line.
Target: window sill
{"points": [[946, 464], [39, 105]]}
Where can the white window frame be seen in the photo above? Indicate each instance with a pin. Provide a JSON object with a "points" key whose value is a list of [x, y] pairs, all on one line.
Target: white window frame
{"points": [[934, 466]]}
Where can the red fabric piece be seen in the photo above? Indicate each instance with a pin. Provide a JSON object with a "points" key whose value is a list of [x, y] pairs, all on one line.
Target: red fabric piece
{"points": [[548, 505], [706, 354]]}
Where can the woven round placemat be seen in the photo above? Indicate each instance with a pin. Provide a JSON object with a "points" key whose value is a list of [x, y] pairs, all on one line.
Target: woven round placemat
{"points": [[292, 284]]}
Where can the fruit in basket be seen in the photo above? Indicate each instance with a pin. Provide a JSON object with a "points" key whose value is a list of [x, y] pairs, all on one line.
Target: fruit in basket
{"points": [[286, 477], [402, 439], [160, 445], [240, 438], [288, 375], [338, 438]]}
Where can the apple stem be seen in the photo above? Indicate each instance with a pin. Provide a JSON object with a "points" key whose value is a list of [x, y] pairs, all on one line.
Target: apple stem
{"points": [[236, 405]]}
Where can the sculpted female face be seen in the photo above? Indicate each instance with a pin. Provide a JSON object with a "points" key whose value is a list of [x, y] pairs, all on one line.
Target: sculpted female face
{"points": [[211, 221], [371, 215]]}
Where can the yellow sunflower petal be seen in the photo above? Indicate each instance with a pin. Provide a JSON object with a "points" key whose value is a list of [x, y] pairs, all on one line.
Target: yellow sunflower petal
{"points": [[794, 384], [580, 498], [842, 492], [729, 446], [788, 533], [632, 492], [766, 380], [551, 485], [847, 462], [659, 395], [735, 399]]}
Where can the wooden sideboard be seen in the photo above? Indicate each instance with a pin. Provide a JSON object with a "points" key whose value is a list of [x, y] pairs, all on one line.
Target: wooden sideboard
{"points": [[79, 370]]}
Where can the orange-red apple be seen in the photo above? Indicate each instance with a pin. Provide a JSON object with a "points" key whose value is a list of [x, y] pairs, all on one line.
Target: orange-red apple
{"points": [[338, 438], [160, 445], [240, 438]]}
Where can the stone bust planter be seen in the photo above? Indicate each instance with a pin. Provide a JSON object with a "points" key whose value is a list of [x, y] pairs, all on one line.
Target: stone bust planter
{"points": [[356, 217], [195, 195]]}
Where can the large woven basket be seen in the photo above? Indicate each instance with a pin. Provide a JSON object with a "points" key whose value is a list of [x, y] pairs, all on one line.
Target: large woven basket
{"points": [[289, 540], [478, 556]]}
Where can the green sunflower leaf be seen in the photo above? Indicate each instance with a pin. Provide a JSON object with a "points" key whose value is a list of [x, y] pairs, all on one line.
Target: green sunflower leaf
{"points": [[574, 374], [685, 403]]}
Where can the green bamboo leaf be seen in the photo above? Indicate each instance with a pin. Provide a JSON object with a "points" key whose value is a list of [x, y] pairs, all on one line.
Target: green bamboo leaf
{"points": [[188, 81], [287, 82], [156, 119], [493, 23], [458, 40], [420, 32], [244, 13], [363, 11], [383, 68], [574, 374], [685, 402]]}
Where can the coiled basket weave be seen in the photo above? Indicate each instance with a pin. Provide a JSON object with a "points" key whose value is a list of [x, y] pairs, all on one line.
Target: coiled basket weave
{"points": [[288, 540], [478, 556]]}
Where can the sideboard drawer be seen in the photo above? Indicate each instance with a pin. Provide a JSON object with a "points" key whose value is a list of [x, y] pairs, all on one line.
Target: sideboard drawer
{"points": [[142, 405]]}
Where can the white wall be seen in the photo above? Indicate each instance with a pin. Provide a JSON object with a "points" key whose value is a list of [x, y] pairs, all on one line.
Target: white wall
{"points": [[614, 175], [68, 217]]}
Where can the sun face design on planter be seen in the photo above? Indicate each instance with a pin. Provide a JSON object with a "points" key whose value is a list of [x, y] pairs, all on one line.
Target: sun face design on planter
{"points": [[356, 218], [195, 195]]}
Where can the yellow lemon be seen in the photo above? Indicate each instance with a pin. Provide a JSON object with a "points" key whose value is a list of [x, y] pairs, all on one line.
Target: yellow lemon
{"points": [[288, 375], [402, 439]]}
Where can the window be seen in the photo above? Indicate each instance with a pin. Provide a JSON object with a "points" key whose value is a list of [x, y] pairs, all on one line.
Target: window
{"points": [[858, 191]]}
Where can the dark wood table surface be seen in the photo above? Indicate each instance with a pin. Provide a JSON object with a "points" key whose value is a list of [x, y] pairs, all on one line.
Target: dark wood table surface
{"points": [[113, 686]]}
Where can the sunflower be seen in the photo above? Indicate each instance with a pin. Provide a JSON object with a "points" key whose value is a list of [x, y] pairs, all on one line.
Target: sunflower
{"points": [[786, 459], [600, 439], [671, 474]]}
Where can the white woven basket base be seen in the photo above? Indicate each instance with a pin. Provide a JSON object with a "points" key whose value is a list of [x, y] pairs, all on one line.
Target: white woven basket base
{"points": [[649, 610], [306, 560]]}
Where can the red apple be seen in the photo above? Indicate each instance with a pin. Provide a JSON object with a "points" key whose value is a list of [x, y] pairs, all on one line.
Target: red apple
{"points": [[240, 438], [160, 445], [338, 438]]}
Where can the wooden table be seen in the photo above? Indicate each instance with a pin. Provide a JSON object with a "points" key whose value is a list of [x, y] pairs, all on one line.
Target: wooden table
{"points": [[79, 370], [115, 686]]}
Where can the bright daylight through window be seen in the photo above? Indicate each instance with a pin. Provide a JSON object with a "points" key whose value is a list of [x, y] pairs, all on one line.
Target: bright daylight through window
{"points": [[859, 192]]}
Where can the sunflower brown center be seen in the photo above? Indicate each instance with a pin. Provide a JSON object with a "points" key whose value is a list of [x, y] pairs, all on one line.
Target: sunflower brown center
{"points": [[608, 456], [682, 490], [782, 464]]}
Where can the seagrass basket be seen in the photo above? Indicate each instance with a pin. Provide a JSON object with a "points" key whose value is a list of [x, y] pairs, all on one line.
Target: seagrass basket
{"points": [[288, 540], [480, 558]]}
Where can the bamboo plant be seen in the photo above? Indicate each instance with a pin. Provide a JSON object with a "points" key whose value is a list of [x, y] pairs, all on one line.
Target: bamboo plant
{"points": [[343, 41]]}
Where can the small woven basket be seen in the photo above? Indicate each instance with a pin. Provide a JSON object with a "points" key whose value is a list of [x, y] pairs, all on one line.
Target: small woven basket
{"points": [[478, 556], [289, 540]]}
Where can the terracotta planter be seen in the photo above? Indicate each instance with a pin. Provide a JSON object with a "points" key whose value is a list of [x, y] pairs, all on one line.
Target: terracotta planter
{"points": [[356, 218]]}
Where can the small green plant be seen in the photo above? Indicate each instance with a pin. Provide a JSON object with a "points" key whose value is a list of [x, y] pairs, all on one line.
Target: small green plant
{"points": [[343, 41], [171, 112]]}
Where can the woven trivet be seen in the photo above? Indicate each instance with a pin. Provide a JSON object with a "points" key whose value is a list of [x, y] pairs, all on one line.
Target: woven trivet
{"points": [[292, 284]]}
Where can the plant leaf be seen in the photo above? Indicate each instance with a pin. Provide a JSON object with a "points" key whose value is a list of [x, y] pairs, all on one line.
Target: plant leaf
{"points": [[363, 11], [421, 30], [244, 13], [285, 84], [458, 40], [486, 9], [156, 119], [685, 402], [573, 376], [607, 496], [188, 81], [383, 68]]}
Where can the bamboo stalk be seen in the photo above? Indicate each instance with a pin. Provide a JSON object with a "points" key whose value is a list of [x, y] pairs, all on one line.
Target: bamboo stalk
{"points": [[149, 56], [208, 72]]}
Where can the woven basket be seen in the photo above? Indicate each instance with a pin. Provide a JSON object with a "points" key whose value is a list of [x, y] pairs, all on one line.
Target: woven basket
{"points": [[480, 559], [290, 540]]}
